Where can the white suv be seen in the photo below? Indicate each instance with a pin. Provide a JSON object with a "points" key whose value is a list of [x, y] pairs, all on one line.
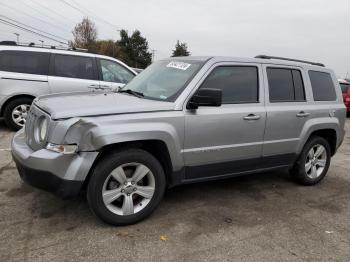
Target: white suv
{"points": [[29, 71]]}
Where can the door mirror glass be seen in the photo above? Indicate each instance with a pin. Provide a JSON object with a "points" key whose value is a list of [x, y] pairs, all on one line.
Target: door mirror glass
{"points": [[205, 97]]}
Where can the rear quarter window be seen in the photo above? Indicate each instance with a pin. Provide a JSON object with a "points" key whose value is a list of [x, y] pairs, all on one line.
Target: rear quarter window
{"points": [[24, 62], [344, 87], [322, 86]]}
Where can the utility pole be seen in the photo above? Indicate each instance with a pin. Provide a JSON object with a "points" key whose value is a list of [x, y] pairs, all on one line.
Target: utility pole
{"points": [[153, 54], [17, 35], [42, 43]]}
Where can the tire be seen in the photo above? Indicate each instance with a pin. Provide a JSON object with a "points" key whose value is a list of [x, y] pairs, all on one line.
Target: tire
{"points": [[22, 105], [118, 212], [304, 168]]}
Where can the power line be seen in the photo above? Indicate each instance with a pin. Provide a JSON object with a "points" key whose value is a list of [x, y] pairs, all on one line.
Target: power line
{"points": [[14, 21], [86, 12], [41, 13], [30, 31], [53, 11], [43, 21]]}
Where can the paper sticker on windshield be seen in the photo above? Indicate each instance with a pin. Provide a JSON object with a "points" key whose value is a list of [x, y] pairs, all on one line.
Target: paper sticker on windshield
{"points": [[179, 65]]}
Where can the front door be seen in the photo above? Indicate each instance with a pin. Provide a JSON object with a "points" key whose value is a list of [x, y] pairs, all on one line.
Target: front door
{"points": [[113, 75], [227, 139]]}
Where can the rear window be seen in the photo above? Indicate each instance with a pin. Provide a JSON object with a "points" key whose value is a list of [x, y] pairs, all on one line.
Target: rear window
{"points": [[24, 62], [74, 66], [322, 86], [285, 85], [344, 88]]}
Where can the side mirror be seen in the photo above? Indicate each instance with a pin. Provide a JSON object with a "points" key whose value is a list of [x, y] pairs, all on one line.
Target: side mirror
{"points": [[205, 97]]}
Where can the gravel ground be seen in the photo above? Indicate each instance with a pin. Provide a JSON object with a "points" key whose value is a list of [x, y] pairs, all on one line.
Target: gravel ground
{"points": [[262, 217]]}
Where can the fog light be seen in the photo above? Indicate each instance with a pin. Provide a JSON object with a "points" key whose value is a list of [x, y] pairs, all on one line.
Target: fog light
{"points": [[63, 149]]}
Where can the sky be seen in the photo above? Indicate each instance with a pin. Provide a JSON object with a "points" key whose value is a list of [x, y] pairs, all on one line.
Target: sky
{"points": [[315, 30]]}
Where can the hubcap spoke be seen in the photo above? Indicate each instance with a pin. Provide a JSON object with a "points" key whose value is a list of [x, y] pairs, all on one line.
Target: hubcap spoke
{"points": [[119, 175], [145, 191], [319, 151], [139, 173], [321, 163], [313, 172], [111, 195], [128, 206], [311, 153], [308, 166]]}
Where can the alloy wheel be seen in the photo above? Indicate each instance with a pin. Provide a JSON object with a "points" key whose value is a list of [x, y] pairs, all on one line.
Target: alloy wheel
{"points": [[128, 189]]}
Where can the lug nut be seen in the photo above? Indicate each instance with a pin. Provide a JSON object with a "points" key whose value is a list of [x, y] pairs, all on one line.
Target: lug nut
{"points": [[122, 190], [134, 188], [132, 182], [128, 194]]}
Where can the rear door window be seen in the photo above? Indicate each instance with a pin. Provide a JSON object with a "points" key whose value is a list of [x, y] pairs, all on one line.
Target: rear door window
{"points": [[24, 62], [74, 67], [285, 85], [322, 86]]}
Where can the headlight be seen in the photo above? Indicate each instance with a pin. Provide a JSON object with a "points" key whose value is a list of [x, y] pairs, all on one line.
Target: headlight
{"points": [[42, 129], [64, 149]]}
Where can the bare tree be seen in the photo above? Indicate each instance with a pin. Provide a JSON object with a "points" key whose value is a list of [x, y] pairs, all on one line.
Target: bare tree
{"points": [[85, 34]]}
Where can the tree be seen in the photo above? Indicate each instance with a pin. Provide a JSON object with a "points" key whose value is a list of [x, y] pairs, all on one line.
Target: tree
{"points": [[180, 49], [85, 34], [134, 49]]}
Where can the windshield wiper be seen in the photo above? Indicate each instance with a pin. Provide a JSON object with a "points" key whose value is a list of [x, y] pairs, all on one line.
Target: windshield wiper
{"points": [[131, 92]]}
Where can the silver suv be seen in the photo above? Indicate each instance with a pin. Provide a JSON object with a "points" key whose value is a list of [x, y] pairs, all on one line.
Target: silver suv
{"points": [[27, 72], [182, 120]]}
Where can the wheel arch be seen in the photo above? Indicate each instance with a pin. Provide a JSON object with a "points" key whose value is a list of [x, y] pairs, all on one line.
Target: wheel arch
{"points": [[12, 98], [155, 147]]}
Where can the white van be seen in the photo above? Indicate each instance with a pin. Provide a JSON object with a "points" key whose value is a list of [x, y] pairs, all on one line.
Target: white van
{"points": [[30, 71]]}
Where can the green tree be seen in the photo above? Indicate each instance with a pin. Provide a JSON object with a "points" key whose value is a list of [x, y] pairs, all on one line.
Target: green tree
{"points": [[134, 49], [181, 49], [85, 34]]}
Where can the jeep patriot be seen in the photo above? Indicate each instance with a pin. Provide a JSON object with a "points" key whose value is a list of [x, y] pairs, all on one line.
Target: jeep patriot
{"points": [[182, 120]]}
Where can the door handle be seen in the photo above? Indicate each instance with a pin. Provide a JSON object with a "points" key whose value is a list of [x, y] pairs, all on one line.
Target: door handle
{"points": [[303, 114], [93, 86], [251, 117]]}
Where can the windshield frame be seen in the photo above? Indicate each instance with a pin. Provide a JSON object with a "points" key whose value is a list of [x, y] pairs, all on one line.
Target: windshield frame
{"points": [[173, 97]]}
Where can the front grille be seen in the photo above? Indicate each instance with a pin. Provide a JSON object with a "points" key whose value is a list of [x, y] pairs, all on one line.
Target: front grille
{"points": [[30, 128]]}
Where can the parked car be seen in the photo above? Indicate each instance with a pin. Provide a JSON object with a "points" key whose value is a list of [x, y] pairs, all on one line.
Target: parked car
{"points": [[182, 120], [345, 88], [28, 72]]}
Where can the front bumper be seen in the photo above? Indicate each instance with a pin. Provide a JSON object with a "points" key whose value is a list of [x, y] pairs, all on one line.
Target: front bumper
{"points": [[60, 174]]}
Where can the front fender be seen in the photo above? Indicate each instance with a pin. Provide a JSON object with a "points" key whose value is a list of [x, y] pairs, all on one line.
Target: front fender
{"points": [[92, 136]]}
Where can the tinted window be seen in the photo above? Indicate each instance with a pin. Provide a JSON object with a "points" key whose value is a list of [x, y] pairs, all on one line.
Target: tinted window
{"points": [[24, 62], [322, 86], [344, 88], [285, 85], [74, 66], [239, 84], [114, 72]]}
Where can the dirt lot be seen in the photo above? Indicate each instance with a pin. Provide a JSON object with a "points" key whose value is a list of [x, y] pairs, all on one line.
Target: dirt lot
{"points": [[253, 218]]}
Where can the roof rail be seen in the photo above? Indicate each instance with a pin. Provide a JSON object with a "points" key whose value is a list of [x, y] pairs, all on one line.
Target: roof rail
{"points": [[8, 43], [13, 43], [289, 59]]}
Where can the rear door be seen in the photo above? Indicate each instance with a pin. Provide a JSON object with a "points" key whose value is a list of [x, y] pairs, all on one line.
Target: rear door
{"points": [[113, 74], [287, 111], [227, 139], [71, 73]]}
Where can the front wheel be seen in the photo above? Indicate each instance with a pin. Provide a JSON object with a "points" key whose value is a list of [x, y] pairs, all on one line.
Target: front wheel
{"points": [[313, 162], [126, 186]]}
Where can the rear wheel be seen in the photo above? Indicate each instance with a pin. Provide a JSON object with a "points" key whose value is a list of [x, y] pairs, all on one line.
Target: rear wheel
{"points": [[15, 112], [313, 162], [126, 186]]}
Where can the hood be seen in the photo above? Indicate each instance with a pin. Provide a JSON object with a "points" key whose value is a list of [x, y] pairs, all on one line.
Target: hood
{"points": [[97, 103]]}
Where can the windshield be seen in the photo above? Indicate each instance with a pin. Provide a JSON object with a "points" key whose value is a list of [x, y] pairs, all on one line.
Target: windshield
{"points": [[164, 80]]}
